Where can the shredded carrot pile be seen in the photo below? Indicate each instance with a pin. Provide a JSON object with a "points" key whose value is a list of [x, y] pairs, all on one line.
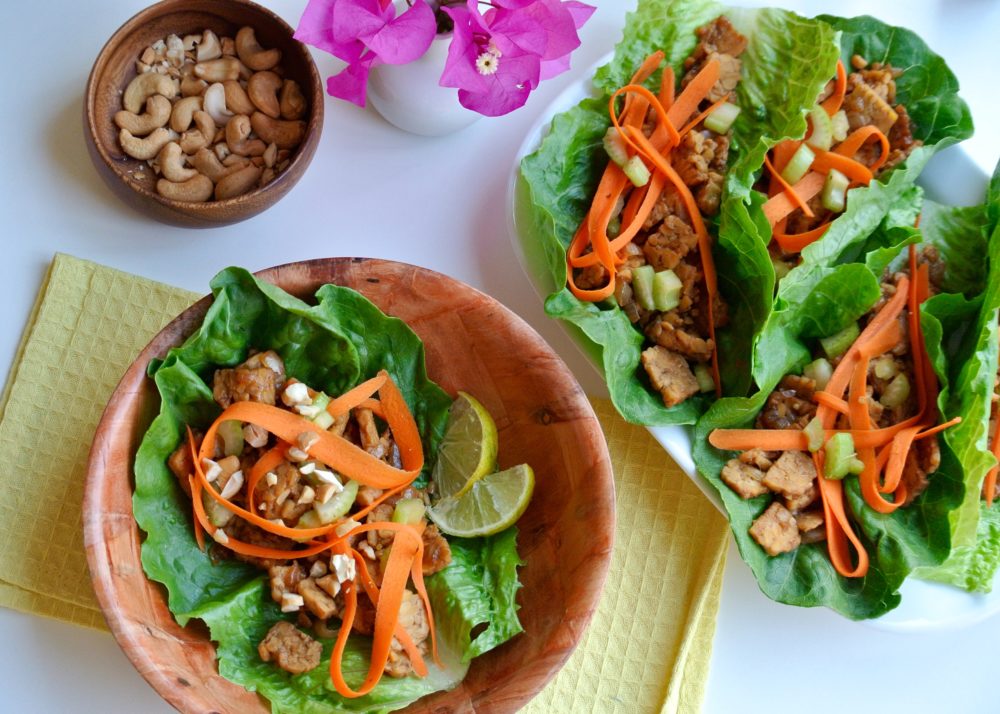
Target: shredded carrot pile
{"points": [[672, 119], [406, 554], [883, 451], [784, 198]]}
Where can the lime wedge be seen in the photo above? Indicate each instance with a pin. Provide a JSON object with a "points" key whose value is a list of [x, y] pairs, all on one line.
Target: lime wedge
{"points": [[490, 505], [469, 448]]}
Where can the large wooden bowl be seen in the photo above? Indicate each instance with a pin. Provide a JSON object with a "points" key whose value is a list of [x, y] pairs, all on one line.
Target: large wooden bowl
{"points": [[132, 180], [474, 344]]}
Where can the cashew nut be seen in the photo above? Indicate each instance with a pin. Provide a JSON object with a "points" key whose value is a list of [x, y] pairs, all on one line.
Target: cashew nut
{"points": [[143, 87], [215, 103], [228, 47], [184, 109], [190, 42], [171, 160], [292, 101], [208, 163], [192, 86], [286, 134], [252, 54], [218, 70], [143, 149], [191, 141], [263, 92], [237, 133], [195, 190], [236, 183], [156, 115], [237, 99], [235, 161], [208, 48], [271, 155]]}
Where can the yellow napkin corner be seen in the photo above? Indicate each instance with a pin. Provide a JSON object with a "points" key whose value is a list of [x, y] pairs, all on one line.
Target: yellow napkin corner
{"points": [[646, 650]]}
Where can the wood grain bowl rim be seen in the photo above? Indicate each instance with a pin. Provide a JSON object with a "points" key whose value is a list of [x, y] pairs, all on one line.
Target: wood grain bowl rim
{"points": [[303, 153], [582, 599]]}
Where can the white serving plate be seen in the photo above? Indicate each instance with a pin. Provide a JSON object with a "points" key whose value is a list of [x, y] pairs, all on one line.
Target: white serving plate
{"points": [[951, 177]]}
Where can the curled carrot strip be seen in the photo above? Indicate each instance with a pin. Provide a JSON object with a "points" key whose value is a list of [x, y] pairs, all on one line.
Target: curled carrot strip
{"points": [[831, 105], [828, 400], [781, 205], [856, 139], [826, 161], [797, 242], [788, 189]]}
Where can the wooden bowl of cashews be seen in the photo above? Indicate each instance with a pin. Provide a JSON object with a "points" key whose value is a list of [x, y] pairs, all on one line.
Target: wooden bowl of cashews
{"points": [[201, 113]]}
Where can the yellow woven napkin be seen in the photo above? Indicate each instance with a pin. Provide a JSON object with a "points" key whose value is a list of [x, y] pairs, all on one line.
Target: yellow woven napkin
{"points": [[647, 649]]}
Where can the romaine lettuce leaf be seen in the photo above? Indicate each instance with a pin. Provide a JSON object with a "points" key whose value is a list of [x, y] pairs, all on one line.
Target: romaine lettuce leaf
{"points": [[330, 345], [976, 528], [787, 62]]}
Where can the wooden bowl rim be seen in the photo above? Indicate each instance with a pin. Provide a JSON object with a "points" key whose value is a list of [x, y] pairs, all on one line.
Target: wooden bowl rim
{"points": [[164, 7], [583, 597]]}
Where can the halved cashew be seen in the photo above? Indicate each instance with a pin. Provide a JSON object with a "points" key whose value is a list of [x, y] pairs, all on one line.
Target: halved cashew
{"points": [[236, 183], [252, 54], [171, 160], [291, 101], [218, 70], [237, 99], [209, 47], [215, 103], [286, 134], [237, 137], [263, 92], [143, 87], [191, 141], [156, 115], [184, 109], [143, 149], [271, 155], [190, 42], [195, 190]]}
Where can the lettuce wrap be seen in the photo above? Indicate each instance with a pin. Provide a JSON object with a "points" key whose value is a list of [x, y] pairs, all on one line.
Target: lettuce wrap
{"points": [[938, 117], [819, 299], [787, 62], [332, 345], [972, 327]]}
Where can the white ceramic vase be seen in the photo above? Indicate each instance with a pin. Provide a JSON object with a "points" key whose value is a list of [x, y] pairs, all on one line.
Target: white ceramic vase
{"points": [[409, 96]]}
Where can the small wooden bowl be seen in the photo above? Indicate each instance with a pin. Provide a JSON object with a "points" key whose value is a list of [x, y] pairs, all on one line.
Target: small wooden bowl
{"points": [[473, 343], [132, 180]]}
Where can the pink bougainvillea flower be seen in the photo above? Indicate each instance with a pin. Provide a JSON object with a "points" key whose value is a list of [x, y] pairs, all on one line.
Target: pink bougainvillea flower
{"points": [[497, 58], [364, 33]]}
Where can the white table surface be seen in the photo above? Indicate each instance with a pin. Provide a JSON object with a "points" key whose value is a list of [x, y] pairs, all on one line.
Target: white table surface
{"points": [[375, 191]]}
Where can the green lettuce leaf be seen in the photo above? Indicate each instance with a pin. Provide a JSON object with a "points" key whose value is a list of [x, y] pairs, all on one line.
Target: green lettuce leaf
{"points": [[479, 587], [331, 345], [788, 61], [976, 527]]}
